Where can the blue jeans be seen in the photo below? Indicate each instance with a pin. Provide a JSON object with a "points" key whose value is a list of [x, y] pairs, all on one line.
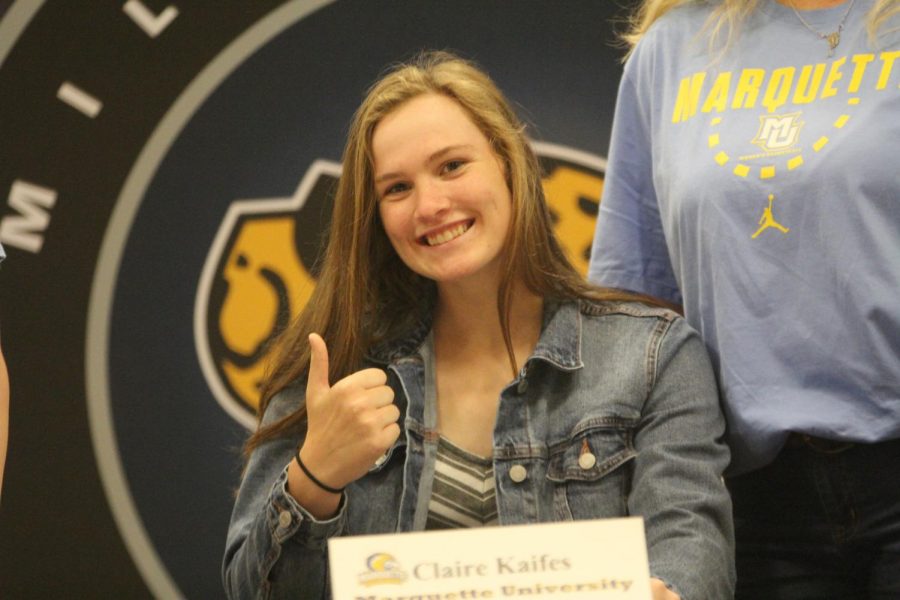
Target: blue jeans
{"points": [[820, 522]]}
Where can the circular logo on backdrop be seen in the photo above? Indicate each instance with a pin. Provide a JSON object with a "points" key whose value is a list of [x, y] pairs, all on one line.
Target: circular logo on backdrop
{"points": [[216, 181]]}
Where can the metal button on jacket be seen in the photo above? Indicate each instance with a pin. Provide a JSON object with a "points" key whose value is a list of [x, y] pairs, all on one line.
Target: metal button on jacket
{"points": [[587, 460], [284, 519], [518, 473], [523, 386]]}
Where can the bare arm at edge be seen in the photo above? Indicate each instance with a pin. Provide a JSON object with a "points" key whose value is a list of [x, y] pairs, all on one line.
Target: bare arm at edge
{"points": [[4, 415]]}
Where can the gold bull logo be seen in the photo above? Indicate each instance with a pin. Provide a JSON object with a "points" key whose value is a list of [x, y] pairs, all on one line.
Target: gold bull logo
{"points": [[261, 268]]}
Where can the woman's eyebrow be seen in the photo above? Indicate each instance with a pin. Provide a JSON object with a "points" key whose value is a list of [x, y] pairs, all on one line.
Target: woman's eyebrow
{"points": [[447, 150], [434, 156]]}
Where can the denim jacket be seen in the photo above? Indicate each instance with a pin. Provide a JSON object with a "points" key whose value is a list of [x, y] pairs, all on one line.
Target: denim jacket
{"points": [[629, 383]]}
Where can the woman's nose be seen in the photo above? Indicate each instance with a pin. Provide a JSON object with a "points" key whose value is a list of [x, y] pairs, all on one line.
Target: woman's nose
{"points": [[431, 200]]}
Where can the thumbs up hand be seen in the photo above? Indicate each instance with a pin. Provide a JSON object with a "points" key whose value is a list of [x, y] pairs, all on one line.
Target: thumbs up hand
{"points": [[350, 423]]}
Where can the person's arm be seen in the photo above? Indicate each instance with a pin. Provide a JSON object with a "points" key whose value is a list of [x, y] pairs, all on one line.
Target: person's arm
{"points": [[677, 485], [282, 518], [4, 416], [629, 250], [274, 546], [4, 405]]}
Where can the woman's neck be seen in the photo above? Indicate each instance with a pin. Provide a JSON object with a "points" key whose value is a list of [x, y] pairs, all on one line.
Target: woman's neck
{"points": [[466, 320]]}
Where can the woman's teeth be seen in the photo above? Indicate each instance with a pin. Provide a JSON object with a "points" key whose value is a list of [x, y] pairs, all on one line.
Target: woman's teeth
{"points": [[447, 235]]}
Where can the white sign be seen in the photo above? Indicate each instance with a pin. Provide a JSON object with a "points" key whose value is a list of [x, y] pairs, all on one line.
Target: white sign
{"points": [[600, 559]]}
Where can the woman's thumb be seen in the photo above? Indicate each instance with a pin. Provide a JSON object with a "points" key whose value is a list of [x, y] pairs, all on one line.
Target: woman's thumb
{"points": [[317, 381]]}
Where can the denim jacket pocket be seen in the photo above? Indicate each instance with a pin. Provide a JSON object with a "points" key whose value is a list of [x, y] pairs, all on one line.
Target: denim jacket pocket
{"points": [[588, 469]]}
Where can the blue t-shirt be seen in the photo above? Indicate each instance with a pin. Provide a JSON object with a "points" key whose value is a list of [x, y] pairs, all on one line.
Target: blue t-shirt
{"points": [[760, 189]]}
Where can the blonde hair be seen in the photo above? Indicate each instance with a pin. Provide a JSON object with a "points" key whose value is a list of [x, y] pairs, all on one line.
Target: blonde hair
{"points": [[725, 19], [365, 294]]}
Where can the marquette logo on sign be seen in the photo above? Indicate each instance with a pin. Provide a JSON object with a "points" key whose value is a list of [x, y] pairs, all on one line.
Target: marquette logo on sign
{"points": [[382, 569], [261, 268], [778, 133]]}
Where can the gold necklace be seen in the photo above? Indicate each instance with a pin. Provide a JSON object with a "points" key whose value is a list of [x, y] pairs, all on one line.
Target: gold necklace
{"points": [[833, 38]]}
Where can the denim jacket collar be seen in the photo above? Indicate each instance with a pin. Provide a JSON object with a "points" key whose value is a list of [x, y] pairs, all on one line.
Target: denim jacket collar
{"points": [[560, 342]]}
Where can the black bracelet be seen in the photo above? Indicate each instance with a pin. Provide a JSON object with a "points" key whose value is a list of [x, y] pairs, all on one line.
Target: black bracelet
{"points": [[313, 477]]}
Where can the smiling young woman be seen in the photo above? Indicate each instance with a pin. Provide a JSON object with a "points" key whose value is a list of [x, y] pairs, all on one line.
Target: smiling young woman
{"points": [[458, 334]]}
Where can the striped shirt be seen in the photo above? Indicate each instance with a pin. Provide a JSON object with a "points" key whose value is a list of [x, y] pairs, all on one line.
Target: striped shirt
{"points": [[463, 491]]}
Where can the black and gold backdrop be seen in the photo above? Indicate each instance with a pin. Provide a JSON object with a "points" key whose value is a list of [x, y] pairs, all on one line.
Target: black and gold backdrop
{"points": [[167, 166]]}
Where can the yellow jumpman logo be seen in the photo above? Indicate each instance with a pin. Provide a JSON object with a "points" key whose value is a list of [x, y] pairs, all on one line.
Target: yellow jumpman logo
{"points": [[767, 220]]}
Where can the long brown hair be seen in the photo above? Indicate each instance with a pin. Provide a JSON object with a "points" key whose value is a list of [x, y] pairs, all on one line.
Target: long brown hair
{"points": [[365, 294]]}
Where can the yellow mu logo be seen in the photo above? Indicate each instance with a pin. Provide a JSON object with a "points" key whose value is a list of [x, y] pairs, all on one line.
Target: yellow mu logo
{"points": [[778, 133], [261, 268]]}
